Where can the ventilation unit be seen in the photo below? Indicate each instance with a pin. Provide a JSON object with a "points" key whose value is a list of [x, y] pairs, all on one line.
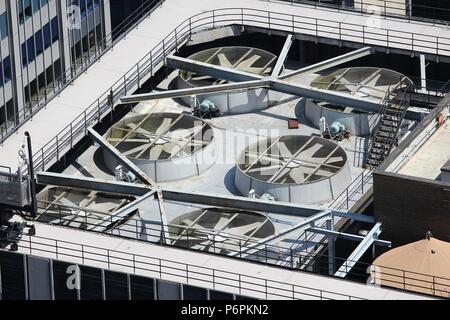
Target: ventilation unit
{"points": [[300, 169], [81, 209], [166, 146], [250, 60], [219, 230], [366, 82]]}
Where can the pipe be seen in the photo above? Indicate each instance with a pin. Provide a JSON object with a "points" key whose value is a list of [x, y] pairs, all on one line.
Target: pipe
{"points": [[32, 177]]}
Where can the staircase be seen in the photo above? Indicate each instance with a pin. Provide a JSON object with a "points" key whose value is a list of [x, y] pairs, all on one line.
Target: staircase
{"points": [[384, 137]]}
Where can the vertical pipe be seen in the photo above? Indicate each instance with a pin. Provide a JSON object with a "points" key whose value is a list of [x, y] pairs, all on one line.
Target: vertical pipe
{"points": [[32, 178], [331, 247], [423, 73]]}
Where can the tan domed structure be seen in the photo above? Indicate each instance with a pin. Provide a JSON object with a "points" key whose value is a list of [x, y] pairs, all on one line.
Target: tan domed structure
{"points": [[422, 266]]}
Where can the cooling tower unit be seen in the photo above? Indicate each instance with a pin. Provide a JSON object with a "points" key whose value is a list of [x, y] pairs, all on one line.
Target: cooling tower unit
{"points": [[366, 82], [81, 209], [166, 146], [251, 60], [219, 230], [300, 169]]}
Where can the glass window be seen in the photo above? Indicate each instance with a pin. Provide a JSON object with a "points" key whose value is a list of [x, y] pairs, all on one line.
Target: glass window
{"points": [[3, 26], [5, 69], [25, 10]]}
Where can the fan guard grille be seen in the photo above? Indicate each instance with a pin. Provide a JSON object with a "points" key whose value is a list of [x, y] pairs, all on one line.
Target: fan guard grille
{"points": [[293, 160]]}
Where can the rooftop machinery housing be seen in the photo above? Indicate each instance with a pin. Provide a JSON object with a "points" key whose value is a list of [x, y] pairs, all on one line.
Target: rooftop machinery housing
{"points": [[172, 174]]}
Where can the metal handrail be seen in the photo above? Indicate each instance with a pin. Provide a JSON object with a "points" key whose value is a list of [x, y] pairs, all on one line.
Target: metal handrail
{"points": [[164, 268], [105, 44], [388, 9], [270, 254], [211, 19]]}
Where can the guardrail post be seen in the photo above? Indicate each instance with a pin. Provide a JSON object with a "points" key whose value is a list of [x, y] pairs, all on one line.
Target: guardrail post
{"points": [[214, 278], [187, 274], [43, 160], [85, 122], [437, 45], [346, 197], [293, 24], [240, 285], [265, 284], [190, 29], [71, 135], [362, 183], [57, 148]]}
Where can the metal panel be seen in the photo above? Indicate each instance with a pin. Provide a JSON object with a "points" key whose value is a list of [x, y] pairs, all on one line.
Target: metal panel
{"points": [[39, 282], [168, 290]]}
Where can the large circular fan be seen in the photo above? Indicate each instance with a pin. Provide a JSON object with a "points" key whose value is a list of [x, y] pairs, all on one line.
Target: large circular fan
{"points": [[219, 230]]}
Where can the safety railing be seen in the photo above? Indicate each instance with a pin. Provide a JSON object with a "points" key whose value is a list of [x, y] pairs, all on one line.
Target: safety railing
{"points": [[100, 48], [385, 8], [172, 270], [304, 256], [357, 188], [222, 17]]}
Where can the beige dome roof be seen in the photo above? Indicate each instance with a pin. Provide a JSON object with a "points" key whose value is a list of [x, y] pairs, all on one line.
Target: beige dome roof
{"points": [[422, 266]]}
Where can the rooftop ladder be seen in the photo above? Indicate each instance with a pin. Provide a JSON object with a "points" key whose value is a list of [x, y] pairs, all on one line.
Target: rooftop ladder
{"points": [[385, 134]]}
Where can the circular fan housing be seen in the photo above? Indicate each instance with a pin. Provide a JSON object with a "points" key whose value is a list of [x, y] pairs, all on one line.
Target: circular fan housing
{"points": [[166, 146], [300, 169], [365, 82], [250, 60], [81, 209], [219, 230]]}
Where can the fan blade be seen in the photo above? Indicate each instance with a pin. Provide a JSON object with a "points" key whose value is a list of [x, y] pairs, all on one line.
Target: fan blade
{"points": [[136, 150], [372, 82], [156, 152], [310, 152], [298, 175], [201, 78], [182, 133], [165, 126], [348, 85], [221, 223], [284, 150], [243, 230], [266, 169], [247, 64], [335, 160], [223, 60], [66, 202]]}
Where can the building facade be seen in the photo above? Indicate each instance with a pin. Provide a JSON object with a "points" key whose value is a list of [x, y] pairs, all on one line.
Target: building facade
{"points": [[45, 43]]}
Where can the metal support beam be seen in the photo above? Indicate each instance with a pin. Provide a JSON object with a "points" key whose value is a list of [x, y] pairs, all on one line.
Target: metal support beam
{"points": [[120, 214], [61, 180], [327, 64], [423, 73], [214, 71], [255, 84], [334, 97], [331, 247], [348, 236], [165, 236], [218, 200], [106, 146], [359, 251], [278, 237], [282, 57]]}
